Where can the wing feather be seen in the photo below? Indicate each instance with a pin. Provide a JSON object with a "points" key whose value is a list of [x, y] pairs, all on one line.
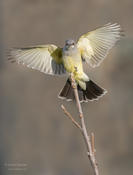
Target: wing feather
{"points": [[94, 46], [45, 58]]}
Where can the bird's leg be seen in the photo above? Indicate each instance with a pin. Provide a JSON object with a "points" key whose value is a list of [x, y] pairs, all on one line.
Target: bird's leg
{"points": [[76, 69]]}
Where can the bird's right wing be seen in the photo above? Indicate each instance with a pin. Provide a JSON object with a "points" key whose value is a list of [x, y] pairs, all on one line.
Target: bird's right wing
{"points": [[45, 58], [94, 46]]}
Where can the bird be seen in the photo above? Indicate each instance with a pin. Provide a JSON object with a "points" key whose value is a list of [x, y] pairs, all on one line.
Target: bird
{"points": [[91, 48]]}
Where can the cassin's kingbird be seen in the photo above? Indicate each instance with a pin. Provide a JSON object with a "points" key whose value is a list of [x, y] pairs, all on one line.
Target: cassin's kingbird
{"points": [[91, 47]]}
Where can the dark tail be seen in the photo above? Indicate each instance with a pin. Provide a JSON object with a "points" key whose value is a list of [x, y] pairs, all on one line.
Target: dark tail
{"points": [[92, 92]]}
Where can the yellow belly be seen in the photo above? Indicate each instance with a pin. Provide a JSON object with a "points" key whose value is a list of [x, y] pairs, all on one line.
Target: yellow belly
{"points": [[74, 66]]}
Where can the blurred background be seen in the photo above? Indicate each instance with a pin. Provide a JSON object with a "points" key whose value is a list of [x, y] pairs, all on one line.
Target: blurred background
{"points": [[35, 136]]}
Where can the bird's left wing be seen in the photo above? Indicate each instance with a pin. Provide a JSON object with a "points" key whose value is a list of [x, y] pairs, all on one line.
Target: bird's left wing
{"points": [[44, 58], [95, 45]]}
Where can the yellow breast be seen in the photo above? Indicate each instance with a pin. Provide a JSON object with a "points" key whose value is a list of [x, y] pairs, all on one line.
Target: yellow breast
{"points": [[72, 64]]}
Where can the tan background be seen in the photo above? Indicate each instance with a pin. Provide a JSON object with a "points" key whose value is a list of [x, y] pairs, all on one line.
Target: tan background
{"points": [[33, 129]]}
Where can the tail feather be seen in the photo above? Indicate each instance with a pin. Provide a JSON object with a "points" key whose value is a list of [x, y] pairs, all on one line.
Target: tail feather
{"points": [[92, 92], [81, 94], [67, 91], [94, 88], [70, 94]]}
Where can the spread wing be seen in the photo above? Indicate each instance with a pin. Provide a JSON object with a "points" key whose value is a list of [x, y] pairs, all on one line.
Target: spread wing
{"points": [[94, 46], [45, 58]]}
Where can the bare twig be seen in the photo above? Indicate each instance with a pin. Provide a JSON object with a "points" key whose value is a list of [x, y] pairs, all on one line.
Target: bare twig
{"points": [[93, 143], [89, 142], [91, 155], [70, 117]]}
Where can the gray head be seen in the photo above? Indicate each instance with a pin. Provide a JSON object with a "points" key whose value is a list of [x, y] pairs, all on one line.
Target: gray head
{"points": [[70, 44]]}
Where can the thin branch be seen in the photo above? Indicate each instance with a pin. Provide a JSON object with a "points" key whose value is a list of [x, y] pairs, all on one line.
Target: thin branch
{"points": [[76, 96], [93, 143], [90, 145], [70, 117]]}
